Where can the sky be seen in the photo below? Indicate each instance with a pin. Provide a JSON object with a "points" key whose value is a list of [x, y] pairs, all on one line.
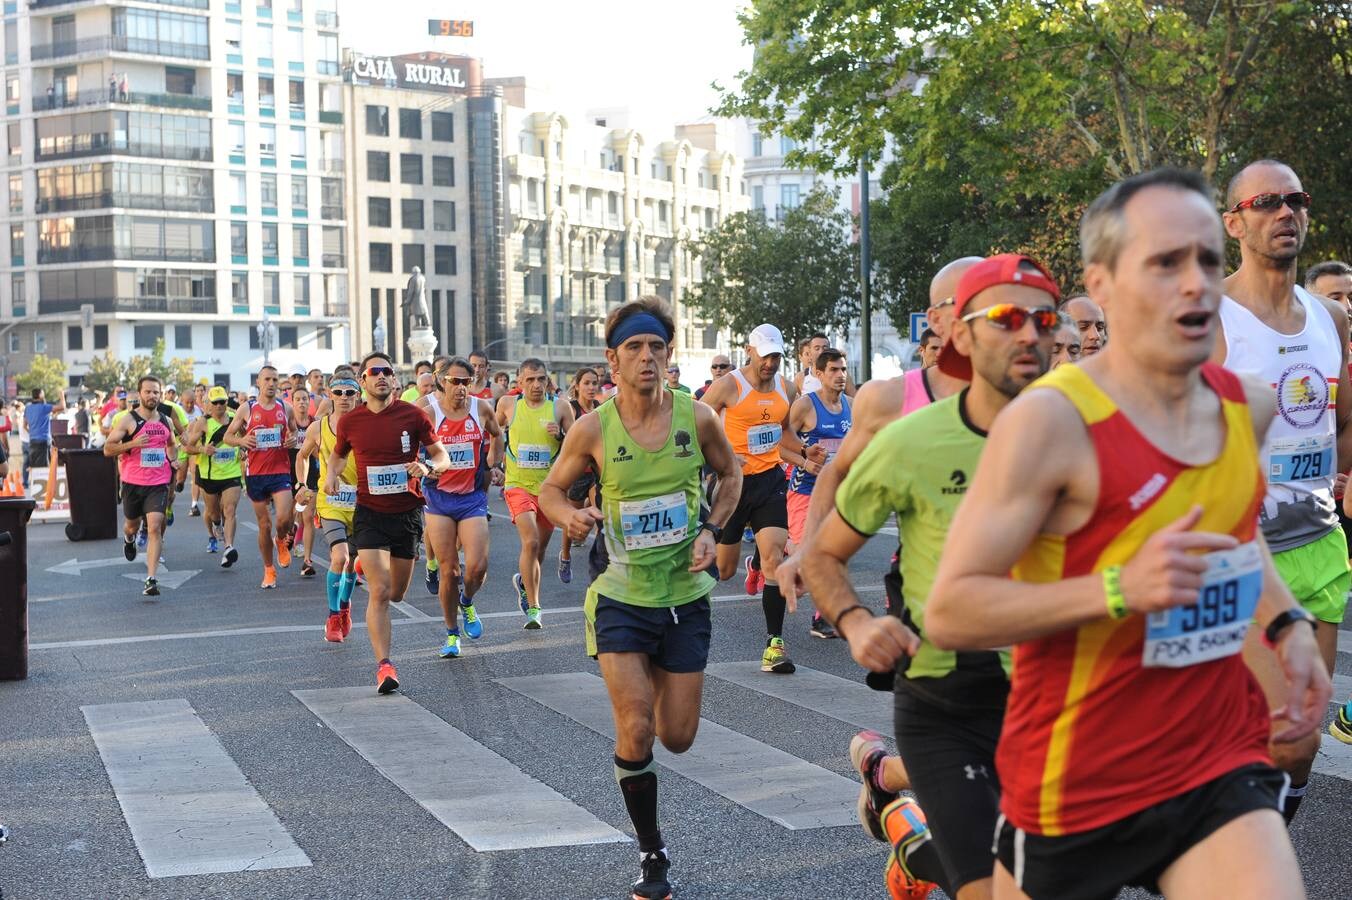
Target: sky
{"points": [[657, 58]]}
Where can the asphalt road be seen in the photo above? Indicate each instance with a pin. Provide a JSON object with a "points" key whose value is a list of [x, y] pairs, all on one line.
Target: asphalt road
{"points": [[221, 658]]}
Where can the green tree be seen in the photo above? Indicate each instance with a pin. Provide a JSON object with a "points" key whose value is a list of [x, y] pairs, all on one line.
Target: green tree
{"points": [[45, 373], [176, 371], [105, 373], [799, 273]]}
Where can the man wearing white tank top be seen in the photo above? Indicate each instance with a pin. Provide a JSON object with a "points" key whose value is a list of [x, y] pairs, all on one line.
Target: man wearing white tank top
{"points": [[1297, 342]]}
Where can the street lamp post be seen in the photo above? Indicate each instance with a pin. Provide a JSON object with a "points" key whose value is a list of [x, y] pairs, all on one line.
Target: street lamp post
{"points": [[865, 264], [266, 332]]}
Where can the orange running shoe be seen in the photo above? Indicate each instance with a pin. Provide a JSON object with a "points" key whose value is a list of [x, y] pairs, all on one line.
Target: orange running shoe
{"points": [[333, 628], [346, 614], [283, 554], [906, 827], [269, 577], [387, 679]]}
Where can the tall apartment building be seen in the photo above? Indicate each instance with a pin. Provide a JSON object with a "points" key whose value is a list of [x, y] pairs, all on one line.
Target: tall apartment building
{"points": [[601, 213], [148, 149]]}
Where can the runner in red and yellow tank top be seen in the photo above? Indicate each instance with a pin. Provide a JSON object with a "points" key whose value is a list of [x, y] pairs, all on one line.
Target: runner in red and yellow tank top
{"points": [[754, 402], [1121, 495], [268, 431]]}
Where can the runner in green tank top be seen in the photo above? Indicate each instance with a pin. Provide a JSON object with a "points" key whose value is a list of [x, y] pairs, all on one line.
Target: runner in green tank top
{"points": [[535, 423], [647, 613], [218, 473]]}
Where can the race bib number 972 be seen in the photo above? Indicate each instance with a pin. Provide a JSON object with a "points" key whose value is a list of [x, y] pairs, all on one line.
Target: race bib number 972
{"points": [[1214, 626]]}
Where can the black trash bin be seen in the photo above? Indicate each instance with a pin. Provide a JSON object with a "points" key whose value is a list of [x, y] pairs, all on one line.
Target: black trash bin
{"points": [[91, 486], [67, 442], [14, 515]]}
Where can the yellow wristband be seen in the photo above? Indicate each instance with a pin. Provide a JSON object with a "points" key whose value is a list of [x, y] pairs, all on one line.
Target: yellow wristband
{"points": [[1112, 592]]}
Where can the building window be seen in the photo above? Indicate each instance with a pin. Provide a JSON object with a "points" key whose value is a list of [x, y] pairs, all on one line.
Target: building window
{"points": [[788, 196], [15, 343], [74, 337], [267, 140], [296, 94], [267, 189], [239, 239], [381, 257], [272, 290], [288, 337], [237, 137], [300, 241], [300, 292], [182, 337], [444, 259], [254, 343], [267, 91], [100, 337], [145, 336], [443, 215], [333, 247], [443, 126], [299, 193], [378, 212], [331, 198], [410, 214], [16, 245], [410, 123], [414, 255], [786, 145], [410, 168], [377, 166], [39, 342], [264, 41], [443, 171], [758, 197], [239, 288], [220, 337], [324, 338], [16, 193], [234, 87], [270, 239], [298, 143], [378, 120]]}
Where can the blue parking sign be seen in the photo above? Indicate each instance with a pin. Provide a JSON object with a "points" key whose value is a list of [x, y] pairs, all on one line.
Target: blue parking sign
{"points": [[918, 326]]}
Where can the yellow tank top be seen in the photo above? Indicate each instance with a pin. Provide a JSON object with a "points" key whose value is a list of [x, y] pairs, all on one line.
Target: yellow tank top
{"points": [[530, 449], [340, 508]]}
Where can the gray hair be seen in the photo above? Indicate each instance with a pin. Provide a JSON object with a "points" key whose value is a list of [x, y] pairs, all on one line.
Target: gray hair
{"points": [[1318, 271], [1103, 227]]}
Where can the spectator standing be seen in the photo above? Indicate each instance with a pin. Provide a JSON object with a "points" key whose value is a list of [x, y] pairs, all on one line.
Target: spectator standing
{"points": [[38, 418]]}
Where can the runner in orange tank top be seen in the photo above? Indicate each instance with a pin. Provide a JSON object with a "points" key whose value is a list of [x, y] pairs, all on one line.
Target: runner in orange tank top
{"points": [[1121, 495], [754, 402]]}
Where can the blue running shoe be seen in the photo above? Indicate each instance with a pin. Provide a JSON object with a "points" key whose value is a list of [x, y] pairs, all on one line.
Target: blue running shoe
{"points": [[212, 545], [451, 648], [141, 540], [522, 600], [565, 570], [474, 627], [748, 536], [433, 580]]}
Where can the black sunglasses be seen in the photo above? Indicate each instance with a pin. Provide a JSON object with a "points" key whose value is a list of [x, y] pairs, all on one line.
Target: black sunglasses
{"points": [[1297, 200], [378, 371]]}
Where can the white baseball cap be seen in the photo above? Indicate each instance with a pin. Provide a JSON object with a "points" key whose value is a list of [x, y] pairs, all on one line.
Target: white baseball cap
{"points": [[766, 339], [298, 370], [170, 387]]}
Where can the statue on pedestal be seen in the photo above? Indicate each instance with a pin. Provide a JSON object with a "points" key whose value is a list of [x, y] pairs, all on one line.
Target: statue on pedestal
{"points": [[415, 301]]}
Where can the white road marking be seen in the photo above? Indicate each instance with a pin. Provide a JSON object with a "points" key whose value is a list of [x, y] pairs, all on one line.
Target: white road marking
{"points": [[173, 580], [189, 807], [77, 566], [838, 698]]}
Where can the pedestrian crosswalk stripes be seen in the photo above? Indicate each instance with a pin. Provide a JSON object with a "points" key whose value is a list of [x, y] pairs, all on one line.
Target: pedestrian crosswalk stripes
{"points": [[190, 809], [838, 698], [764, 779], [495, 806]]}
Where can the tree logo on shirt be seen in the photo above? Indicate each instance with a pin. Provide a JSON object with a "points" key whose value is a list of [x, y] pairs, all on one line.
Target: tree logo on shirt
{"points": [[622, 454], [682, 439]]}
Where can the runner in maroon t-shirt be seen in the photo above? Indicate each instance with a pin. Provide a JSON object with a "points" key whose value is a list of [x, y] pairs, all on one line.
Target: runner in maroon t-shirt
{"points": [[385, 433]]}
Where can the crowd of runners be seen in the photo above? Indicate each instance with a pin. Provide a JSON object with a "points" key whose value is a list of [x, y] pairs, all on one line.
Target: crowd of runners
{"points": [[1111, 620]]}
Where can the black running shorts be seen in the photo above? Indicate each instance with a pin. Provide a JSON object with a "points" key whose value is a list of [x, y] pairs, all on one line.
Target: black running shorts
{"points": [[139, 499], [399, 533], [764, 504]]}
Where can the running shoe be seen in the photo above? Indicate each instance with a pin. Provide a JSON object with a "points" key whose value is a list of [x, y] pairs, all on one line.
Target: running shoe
{"points": [[212, 545], [906, 828], [866, 755], [451, 648], [776, 658], [194, 510], [748, 536], [141, 540], [433, 580], [1341, 726], [474, 626], [522, 600], [307, 570], [755, 578], [652, 881], [387, 679], [129, 546], [283, 554], [346, 614], [231, 555], [152, 588], [822, 628], [269, 577], [169, 515], [565, 570], [333, 628], [532, 618]]}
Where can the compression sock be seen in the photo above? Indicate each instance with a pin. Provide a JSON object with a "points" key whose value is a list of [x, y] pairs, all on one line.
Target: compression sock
{"points": [[772, 602], [331, 581], [349, 584], [922, 861], [638, 785], [433, 565], [1291, 800], [755, 560]]}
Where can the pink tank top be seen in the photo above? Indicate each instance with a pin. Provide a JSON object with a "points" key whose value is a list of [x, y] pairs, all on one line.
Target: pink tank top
{"points": [[917, 391], [148, 465]]}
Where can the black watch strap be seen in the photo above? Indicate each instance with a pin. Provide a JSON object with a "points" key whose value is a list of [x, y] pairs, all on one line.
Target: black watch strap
{"points": [[1286, 617], [714, 530]]}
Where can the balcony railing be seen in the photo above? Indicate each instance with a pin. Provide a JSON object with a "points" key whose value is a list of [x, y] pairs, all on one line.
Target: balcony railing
{"points": [[47, 255], [326, 66], [331, 116], [134, 98], [119, 43], [134, 148], [183, 4], [205, 305], [111, 199], [332, 261], [336, 310], [331, 213], [325, 18]]}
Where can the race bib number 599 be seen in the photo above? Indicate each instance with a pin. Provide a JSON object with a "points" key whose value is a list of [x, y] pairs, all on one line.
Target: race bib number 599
{"points": [[1213, 627]]}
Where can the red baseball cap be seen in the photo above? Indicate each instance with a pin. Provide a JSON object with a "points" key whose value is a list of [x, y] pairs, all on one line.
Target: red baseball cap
{"points": [[1005, 268]]}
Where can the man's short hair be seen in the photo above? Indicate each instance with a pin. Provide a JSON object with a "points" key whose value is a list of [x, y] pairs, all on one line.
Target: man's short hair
{"points": [[1319, 270], [479, 354], [926, 335], [532, 363], [420, 364], [265, 368], [143, 379], [374, 354], [459, 362], [649, 303], [1232, 186], [826, 357], [1103, 227]]}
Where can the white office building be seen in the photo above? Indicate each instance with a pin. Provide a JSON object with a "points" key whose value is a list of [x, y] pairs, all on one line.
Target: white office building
{"points": [[149, 147]]}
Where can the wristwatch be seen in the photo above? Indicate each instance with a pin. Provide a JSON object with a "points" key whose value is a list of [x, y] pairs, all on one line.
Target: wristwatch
{"points": [[1273, 632], [714, 530]]}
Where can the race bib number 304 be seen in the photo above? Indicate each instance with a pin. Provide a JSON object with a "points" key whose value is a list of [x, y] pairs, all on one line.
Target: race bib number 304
{"points": [[1301, 459], [387, 479], [153, 457], [655, 522], [1213, 627]]}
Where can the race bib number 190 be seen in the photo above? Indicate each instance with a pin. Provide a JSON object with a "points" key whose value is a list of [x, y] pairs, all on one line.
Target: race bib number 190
{"points": [[1213, 627], [387, 479], [762, 439]]}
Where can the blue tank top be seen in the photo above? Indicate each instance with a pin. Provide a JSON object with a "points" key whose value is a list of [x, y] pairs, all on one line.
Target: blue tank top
{"points": [[829, 431]]}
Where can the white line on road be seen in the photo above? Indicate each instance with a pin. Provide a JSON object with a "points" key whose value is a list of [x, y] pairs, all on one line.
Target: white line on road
{"points": [[499, 807], [77, 566], [835, 697], [189, 807], [764, 779]]}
